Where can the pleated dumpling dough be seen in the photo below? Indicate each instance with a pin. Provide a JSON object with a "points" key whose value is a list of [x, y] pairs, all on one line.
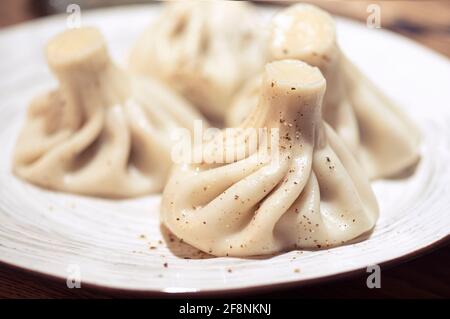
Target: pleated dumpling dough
{"points": [[102, 132], [383, 139], [308, 193], [203, 49]]}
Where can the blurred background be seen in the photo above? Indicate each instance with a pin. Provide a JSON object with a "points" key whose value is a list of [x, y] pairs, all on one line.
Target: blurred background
{"points": [[427, 22]]}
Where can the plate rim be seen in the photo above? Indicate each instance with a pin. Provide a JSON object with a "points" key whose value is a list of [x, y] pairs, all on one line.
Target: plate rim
{"points": [[441, 243]]}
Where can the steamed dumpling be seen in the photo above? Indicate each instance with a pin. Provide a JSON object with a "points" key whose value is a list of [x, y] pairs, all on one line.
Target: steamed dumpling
{"points": [[383, 139], [307, 191], [102, 132], [203, 49]]}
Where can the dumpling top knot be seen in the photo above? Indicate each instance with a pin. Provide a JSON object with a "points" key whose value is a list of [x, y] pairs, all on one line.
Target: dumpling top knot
{"points": [[291, 75], [291, 99], [305, 33], [77, 50]]}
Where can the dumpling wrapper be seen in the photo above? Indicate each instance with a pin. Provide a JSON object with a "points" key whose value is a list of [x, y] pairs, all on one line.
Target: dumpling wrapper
{"points": [[102, 132], [203, 49], [310, 193], [379, 134]]}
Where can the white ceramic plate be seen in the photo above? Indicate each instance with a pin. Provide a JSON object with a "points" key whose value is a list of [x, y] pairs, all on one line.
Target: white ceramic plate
{"points": [[119, 244]]}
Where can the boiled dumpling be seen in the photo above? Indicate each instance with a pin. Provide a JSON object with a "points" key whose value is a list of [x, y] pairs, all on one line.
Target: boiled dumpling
{"points": [[102, 132], [383, 139], [303, 189], [203, 49]]}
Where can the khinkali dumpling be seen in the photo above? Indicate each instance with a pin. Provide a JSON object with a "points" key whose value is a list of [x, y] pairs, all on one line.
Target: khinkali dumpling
{"points": [[203, 49], [102, 132], [383, 139], [307, 191]]}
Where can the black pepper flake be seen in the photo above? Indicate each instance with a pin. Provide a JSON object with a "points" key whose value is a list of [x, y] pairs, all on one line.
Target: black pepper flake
{"points": [[293, 89], [166, 265], [272, 84], [236, 197]]}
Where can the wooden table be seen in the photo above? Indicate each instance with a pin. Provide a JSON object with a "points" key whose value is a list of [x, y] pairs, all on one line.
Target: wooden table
{"points": [[425, 277]]}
